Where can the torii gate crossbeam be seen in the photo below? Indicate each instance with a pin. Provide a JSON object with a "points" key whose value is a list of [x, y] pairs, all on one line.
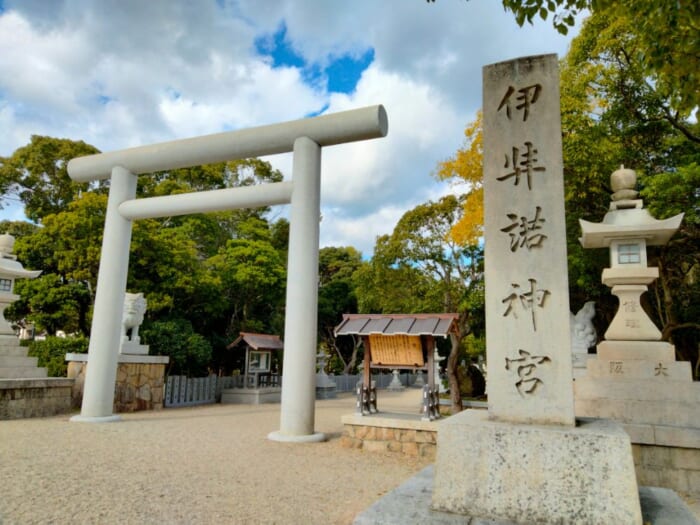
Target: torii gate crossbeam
{"points": [[304, 138]]}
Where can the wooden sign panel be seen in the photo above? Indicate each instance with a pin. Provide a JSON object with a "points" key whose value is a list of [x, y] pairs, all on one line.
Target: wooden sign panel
{"points": [[398, 350]]}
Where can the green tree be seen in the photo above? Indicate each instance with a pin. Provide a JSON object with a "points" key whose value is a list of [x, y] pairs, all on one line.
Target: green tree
{"points": [[38, 175], [663, 38], [18, 228], [51, 304], [66, 249], [190, 353], [252, 277], [676, 296], [336, 296], [69, 242]]}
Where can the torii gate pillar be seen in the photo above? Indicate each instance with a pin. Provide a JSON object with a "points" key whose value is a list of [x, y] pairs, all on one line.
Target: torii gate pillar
{"points": [[299, 382]]}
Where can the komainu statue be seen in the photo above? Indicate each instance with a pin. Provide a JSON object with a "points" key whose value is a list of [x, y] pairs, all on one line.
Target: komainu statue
{"points": [[583, 334], [132, 317]]}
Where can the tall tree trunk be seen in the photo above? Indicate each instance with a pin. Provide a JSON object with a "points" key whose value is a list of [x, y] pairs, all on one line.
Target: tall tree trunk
{"points": [[357, 341], [453, 363]]}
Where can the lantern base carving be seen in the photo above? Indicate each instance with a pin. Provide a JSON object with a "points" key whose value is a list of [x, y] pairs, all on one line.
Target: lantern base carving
{"points": [[631, 323]]}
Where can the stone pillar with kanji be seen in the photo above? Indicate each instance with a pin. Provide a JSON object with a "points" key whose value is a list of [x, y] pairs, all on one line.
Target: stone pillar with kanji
{"points": [[527, 459]]}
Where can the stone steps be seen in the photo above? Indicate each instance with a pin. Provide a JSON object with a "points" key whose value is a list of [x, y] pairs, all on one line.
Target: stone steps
{"points": [[22, 372], [8, 340], [14, 351], [8, 361], [14, 362]]}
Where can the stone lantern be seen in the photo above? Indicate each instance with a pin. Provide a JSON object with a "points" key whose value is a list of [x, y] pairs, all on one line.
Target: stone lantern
{"points": [[627, 229], [10, 269], [634, 377]]}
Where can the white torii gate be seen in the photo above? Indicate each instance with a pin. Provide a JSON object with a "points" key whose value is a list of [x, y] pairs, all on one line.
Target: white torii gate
{"points": [[305, 138]]}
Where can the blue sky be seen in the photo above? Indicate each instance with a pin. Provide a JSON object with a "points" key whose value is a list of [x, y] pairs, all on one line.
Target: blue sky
{"points": [[340, 74], [121, 74]]}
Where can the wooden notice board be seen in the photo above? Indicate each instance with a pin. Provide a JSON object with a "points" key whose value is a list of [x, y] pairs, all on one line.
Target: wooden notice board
{"points": [[398, 350]]}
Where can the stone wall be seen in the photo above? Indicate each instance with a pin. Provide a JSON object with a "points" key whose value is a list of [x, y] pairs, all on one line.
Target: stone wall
{"points": [[23, 398], [139, 386], [673, 467], [412, 437]]}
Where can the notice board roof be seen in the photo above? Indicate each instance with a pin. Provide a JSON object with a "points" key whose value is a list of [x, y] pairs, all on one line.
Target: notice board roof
{"points": [[397, 324], [259, 341]]}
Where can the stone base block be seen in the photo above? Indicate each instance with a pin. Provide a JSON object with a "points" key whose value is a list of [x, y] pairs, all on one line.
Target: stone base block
{"points": [[671, 467], [410, 503], [534, 473], [626, 350], [579, 363], [330, 392], [647, 412], [139, 384], [602, 390], [251, 396], [127, 347]]}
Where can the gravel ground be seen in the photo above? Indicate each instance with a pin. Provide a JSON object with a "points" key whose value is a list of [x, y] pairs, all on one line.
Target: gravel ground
{"points": [[208, 464]]}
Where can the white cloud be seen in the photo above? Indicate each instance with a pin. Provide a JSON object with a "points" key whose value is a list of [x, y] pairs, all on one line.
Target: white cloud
{"points": [[339, 229]]}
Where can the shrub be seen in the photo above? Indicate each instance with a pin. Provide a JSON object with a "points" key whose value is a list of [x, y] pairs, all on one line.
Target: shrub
{"points": [[52, 352]]}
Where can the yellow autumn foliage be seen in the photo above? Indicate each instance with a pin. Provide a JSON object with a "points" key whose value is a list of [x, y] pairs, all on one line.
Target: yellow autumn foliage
{"points": [[466, 167]]}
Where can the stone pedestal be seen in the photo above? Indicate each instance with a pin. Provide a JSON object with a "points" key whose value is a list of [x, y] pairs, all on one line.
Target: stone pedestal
{"points": [[132, 348], [325, 386], [251, 396], [535, 473], [640, 385], [139, 385], [631, 322], [579, 363]]}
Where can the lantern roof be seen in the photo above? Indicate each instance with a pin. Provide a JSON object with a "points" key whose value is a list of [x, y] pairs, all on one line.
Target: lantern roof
{"points": [[13, 268], [628, 224], [627, 218]]}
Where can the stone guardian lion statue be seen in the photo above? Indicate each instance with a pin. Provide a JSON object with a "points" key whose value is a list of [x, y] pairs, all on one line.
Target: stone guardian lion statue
{"points": [[583, 333], [132, 316]]}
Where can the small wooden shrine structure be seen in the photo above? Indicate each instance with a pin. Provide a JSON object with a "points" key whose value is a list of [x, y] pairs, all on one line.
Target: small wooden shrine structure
{"points": [[396, 342], [258, 358]]}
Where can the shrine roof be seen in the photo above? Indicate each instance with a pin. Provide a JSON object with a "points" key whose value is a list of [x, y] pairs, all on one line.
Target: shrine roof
{"points": [[258, 341], [397, 324]]}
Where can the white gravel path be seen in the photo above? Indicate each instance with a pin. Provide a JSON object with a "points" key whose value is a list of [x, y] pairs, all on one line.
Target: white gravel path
{"points": [[209, 464]]}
